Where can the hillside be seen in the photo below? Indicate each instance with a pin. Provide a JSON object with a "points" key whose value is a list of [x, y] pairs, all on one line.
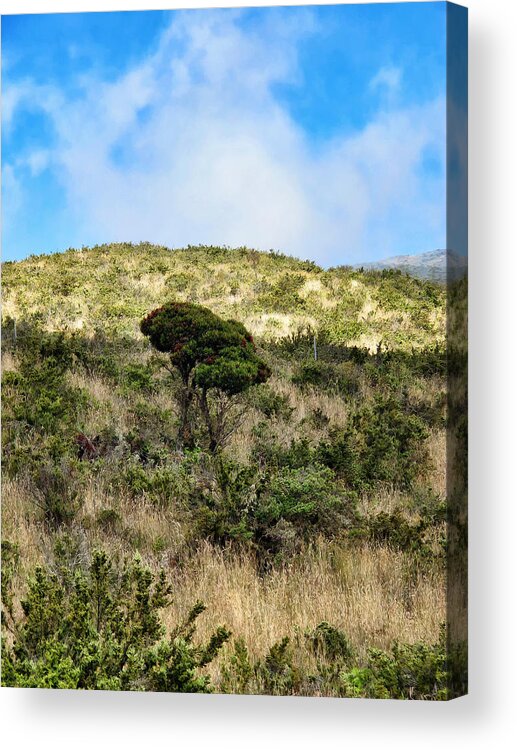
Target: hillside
{"points": [[110, 287], [313, 528]]}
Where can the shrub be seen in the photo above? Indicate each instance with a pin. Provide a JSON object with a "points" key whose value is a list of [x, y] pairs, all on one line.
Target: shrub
{"points": [[336, 378], [56, 489], [273, 674], [267, 452], [406, 671], [329, 643], [224, 510], [237, 673], [283, 296], [162, 485], [383, 444], [333, 653], [100, 629], [40, 408], [271, 403], [395, 531], [409, 671], [306, 497], [138, 378]]}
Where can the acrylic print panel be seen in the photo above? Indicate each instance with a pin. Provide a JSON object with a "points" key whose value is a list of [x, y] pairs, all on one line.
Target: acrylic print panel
{"points": [[234, 351]]}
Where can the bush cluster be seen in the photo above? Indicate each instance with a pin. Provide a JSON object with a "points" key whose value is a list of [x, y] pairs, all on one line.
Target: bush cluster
{"points": [[382, 444], [99, 628]]}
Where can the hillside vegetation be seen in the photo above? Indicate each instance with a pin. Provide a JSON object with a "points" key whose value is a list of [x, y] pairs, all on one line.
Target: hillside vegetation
{"points": [[110, 287], [313, 531]]}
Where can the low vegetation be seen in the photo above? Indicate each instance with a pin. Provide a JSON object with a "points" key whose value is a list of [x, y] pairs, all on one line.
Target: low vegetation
{"points": [[229, 427]]}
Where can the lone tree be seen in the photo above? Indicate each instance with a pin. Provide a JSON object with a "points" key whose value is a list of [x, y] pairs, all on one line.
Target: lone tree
{"points": [[212, 356]]}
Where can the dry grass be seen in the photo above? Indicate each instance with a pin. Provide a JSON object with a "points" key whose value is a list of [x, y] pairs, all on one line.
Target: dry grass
{"points": [[304, 404], [367, 592]]}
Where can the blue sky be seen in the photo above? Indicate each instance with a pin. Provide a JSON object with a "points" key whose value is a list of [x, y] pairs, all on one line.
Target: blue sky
{"points": [[318, 131]]}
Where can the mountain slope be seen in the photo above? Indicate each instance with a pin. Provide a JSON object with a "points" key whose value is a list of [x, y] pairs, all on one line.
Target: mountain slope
{"points": [[435, 265], [110, 287]]}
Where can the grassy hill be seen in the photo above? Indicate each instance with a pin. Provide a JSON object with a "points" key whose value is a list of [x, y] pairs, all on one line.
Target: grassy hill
{"points": [[110, 287], [317, 532]]}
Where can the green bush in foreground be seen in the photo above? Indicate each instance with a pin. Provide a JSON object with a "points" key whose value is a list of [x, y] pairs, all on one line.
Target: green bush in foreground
{"points": [[406, 672], [100, 629]]}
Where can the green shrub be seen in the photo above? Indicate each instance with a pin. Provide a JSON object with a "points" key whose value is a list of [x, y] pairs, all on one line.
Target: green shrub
{"points": [[57, 488], [383, 444], [333, 653], [267, 451], [224, 511], [409, 671], [271, 403], [329, 643], [273, 674], [282, 296], [237, 674], [163, 486], [337, 378], [273, 512], [100, 629], [306, 497], [395, 531], [138, 378], [40, 408]]}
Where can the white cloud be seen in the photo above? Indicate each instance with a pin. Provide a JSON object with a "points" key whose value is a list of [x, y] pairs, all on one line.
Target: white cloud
{"points": [[37, 161], [387, 77], [192, 147]]}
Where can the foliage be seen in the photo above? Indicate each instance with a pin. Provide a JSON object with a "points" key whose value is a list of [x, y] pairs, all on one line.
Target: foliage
{"points": [[57, 489], [341, 378], [162, 485], [283, 296], [39, 402], [272, 513], [406, 671], [409, 671], [273, 674], [271, 403], [217, 353], [100, 629], [307, 498], [111, 287], [383, 443]]}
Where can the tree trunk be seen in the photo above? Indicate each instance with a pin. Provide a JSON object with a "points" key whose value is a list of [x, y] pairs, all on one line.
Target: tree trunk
{"points": [[208, 421], [184, 435]]}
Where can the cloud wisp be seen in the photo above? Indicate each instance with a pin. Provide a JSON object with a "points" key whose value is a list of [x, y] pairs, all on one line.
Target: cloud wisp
{"points": [[193, 146]]}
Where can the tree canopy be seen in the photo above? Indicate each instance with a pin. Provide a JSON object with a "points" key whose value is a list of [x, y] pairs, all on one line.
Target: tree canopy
{"points": [[210, 353]]}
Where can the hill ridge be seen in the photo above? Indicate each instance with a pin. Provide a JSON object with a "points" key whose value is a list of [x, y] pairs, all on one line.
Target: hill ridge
{"points": [[111, 286]]}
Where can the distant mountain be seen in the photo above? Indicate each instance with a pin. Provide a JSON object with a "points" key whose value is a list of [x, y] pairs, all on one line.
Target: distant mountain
{"points": [[431, 265]]}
